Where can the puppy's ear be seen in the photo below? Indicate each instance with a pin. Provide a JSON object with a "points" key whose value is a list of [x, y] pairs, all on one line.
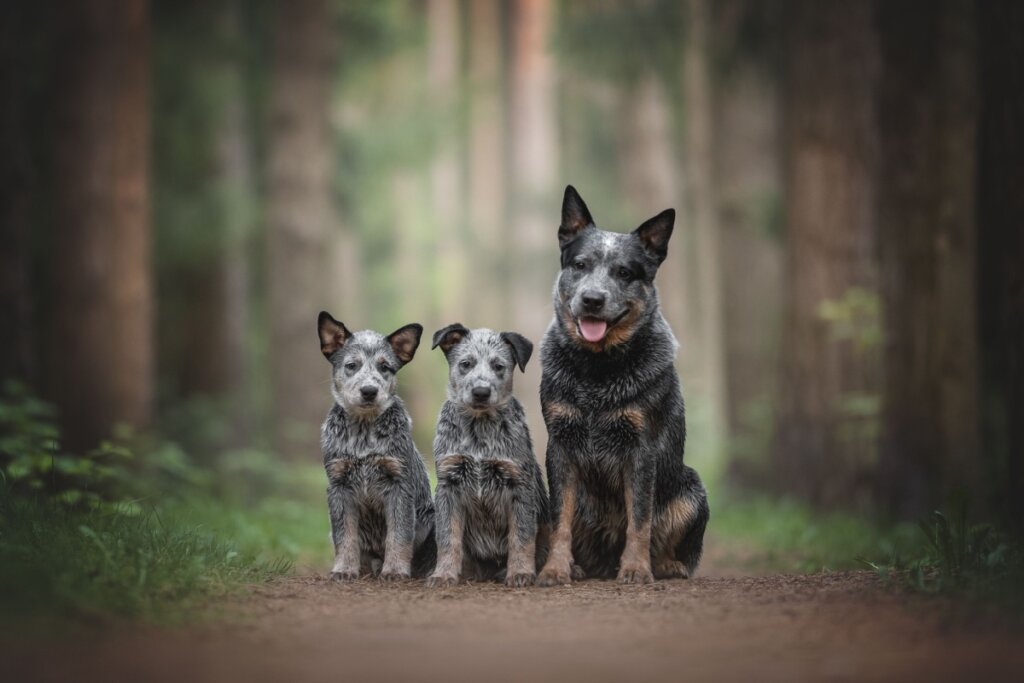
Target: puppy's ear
{"points": [[448, 337], [522, 348], [333, 334], [405, 340], [575, 216], [654, 234]]}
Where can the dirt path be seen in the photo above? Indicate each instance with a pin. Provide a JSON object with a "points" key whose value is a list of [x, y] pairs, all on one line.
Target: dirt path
{"points": [[836, 626]]}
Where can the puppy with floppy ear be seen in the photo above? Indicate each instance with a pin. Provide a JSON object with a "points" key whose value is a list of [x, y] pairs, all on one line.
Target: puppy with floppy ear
{"points": [[491, 506], [378, 494]]}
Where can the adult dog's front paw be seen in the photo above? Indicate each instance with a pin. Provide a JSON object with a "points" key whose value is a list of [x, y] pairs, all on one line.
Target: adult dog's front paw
{"points": [[635, 573], [344, 574], [521, 579], [670, 569], [555, 576], [443, 581]]}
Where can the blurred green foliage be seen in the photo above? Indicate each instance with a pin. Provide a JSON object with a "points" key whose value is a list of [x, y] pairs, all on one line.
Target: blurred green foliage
{"points": [[136, 528], [960, 557]]}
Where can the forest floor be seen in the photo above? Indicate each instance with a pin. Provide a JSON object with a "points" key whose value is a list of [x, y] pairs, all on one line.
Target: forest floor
{"points": [[729, 623]]}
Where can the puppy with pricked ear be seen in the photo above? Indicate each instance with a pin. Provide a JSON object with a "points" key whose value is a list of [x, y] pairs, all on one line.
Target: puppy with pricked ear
{"points": [[491, 506], [378, 494]]}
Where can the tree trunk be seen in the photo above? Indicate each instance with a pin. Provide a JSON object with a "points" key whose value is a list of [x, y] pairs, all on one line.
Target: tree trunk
{"points": [[1001, 252], [17, 180], [446, 184], [749, 190], [300, 219], [824, 442], [215, 343], [535, 190], [699, 102], [101, 360], [926, 239], [486, 179]]}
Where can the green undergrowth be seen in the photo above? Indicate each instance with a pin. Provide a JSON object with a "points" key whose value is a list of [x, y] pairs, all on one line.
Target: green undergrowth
{"points": [[57, 561], [784, 535], [137, 528], [945, 554]]}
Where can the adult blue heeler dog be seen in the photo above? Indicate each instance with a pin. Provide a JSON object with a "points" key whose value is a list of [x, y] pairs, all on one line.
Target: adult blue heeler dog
{"points": [[623, 503], [378, 493]]}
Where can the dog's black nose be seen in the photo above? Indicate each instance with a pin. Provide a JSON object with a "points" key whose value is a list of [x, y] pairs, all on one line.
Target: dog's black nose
{"points": [[368, 393], [593, 301], [481, 393]]}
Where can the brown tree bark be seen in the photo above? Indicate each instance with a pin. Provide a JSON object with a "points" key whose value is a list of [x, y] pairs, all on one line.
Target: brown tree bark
{"points": [[300, 220], [101, 358], [700, 103], [17, 181], [214, 353], [486, 177], [823, 449], [443, 61], [535, 190], [926, 239], [749, 182], [1001, 252]]}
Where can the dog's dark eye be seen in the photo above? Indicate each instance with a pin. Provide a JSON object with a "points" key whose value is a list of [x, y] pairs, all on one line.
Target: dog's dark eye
{"points": [[385, 368], [624, 273], [579, 265], [351, 366], [498, 367], [465, 365]]}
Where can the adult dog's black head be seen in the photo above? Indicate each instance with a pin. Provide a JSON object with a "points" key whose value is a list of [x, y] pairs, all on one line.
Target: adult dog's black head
{"points": [[605, 290]]}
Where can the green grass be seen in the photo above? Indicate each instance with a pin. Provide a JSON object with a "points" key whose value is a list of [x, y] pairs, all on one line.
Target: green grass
{"points": [[783, 535], [58, 562]]}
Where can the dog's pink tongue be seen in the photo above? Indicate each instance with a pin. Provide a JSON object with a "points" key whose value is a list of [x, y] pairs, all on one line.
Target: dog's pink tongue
{"points": [[593, 330]]}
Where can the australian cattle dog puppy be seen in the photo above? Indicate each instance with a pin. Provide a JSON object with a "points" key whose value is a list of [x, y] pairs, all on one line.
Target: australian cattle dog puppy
{"points": [[378, 493], [623, 503], [491, 506]]}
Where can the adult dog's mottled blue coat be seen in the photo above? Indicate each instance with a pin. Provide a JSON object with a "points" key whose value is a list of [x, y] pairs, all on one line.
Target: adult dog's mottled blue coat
{"points": [[378, 493], [623, 503]]}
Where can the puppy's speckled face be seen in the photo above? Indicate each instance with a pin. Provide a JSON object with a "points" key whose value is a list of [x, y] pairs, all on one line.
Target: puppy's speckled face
{"points": [[480, 365], [364, 364]]}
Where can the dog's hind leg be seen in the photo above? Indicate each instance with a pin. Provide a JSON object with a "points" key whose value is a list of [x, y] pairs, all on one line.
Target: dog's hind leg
{"points": [[682, 531]]}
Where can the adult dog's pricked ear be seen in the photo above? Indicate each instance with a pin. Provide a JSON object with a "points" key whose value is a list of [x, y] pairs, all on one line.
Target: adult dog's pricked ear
{"points": [[448, 337], [405, 340], [655, 232], [575, 216], [522, 348], [333, 334]]}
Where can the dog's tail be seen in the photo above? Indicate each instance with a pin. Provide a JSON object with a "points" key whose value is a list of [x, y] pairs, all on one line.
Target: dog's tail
{"points": [[691, 547]]}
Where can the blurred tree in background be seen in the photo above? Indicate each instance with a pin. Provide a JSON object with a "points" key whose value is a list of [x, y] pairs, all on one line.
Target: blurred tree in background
{"points": [[185, 184]]}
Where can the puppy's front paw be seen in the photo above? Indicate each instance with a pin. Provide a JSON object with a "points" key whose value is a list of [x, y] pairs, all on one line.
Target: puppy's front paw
{"points": [[442, 581], [555, 576], [519, 580], [344, 574], [635, 574], [394, 576]]}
